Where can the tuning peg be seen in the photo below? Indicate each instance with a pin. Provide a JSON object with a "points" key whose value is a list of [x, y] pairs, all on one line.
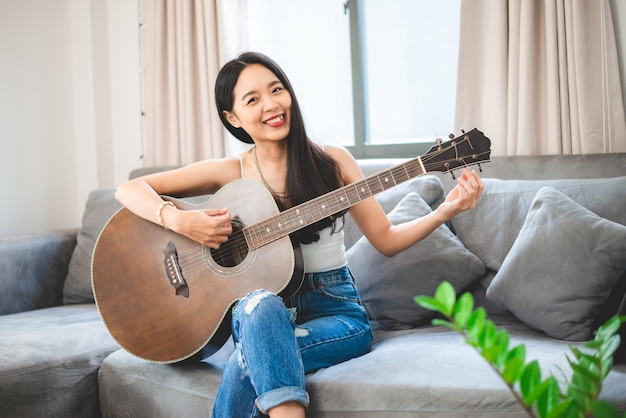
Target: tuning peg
{"points": [[451, 136]]}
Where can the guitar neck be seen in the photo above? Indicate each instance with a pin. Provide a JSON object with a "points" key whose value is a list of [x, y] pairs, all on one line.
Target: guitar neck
{"points": [[300, 216], [465, 150]]}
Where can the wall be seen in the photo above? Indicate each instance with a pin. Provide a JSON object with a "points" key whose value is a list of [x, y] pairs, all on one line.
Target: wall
{"points": [[69, 107]]}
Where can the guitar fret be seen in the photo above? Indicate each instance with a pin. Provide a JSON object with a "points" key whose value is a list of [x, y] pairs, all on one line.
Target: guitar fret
{"points": [[254, 232], [399, 174], [380, 183], [290, 220], [264, 231], [271, 229], [362, 190], [275, 227], [343, 201], [309, 209], [322, 206], [331, 204], [414, 169], [403, 167], [307, 212], [374, 185], [336, 201], [353, 194], [388, 180], [298, 221]]}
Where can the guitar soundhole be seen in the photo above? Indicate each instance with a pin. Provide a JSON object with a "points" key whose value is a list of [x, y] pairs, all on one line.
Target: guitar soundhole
{"points": [[235, 250]]}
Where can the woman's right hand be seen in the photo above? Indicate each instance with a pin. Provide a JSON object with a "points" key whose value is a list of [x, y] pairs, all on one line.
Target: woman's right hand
{"points": [[210, 227]]}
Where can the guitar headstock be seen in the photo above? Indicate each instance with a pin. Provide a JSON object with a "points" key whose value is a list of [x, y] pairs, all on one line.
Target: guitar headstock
{"points": [[465, 150]]}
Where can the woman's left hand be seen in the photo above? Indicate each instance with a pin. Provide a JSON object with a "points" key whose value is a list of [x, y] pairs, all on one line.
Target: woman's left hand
{"points": [[464, 196]]}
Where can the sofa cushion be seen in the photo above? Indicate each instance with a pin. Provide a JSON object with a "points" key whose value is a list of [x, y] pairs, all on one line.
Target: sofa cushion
{"points": [[489, 229], [130, 386], [423, 372], [388, 285], [429, 187], [561, 268], [49, 360], [34, 269], [101, 205]]}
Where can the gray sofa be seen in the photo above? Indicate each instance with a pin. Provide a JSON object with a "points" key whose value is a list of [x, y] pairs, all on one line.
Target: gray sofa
{"points": [[543, 252]]}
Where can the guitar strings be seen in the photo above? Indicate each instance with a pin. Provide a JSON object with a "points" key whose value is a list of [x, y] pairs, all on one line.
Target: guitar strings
{"points": [[237, 241]]}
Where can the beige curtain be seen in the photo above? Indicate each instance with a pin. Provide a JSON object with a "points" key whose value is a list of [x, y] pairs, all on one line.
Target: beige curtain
{"points": [[180, 61], [540, 76]]}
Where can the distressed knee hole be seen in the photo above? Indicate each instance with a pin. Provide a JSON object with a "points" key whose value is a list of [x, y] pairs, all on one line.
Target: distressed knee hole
{"points": [[301, 332], [254, 300]]}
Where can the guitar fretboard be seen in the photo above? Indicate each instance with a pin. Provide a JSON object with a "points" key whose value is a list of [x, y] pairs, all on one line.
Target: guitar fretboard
{"points": [[298, 217]]}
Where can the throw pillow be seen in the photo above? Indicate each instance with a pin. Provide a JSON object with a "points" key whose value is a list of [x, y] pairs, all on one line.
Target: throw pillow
{"points": [[489, 229], [561, 268], [101, 205], [388, 285]]}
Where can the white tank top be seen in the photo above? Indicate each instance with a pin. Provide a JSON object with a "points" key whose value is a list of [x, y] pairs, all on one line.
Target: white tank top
{"points": [[328, 253]]}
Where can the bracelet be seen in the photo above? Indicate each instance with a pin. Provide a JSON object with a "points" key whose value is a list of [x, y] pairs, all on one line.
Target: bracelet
{"points": [[160, 209]]}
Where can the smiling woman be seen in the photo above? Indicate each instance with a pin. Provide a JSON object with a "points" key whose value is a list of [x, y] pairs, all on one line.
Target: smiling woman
{"points": [[266, 372]]}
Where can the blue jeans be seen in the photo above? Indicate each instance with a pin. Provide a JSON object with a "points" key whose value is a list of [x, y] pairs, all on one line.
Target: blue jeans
{"points": [[277, 343]]}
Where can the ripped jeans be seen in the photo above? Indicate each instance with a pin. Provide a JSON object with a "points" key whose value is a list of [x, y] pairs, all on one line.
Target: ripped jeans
{"points": [[274, 348]]}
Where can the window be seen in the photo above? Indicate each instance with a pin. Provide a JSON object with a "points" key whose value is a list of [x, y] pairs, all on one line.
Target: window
{"points": [[377, 76]]}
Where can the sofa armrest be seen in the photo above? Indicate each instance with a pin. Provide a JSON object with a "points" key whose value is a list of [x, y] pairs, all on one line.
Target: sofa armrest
{"points": [[33, 270]]}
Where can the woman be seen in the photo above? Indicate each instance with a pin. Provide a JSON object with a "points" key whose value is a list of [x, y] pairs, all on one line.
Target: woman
{"points": [[277, 342]]}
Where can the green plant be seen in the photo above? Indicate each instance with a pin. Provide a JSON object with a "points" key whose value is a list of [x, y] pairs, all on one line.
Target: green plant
{"points": [[536, 394]]}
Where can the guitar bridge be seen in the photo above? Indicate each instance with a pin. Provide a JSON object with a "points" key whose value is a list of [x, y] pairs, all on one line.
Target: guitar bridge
{"points": [[173, 270]]}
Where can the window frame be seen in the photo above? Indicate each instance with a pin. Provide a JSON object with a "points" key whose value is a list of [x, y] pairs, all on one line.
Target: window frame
{"points": [[361, 149]]}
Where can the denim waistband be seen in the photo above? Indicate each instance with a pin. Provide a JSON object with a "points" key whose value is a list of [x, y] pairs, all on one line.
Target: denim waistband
{"points": [[312, 280]]}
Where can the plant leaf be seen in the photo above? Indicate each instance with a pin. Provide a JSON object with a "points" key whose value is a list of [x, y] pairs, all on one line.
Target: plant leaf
{"points": [[513, 364], [446, 296], [547, 394], [502, 341], [604, 409], [609, 346], [476, 323], [610, 327], [429, 303], [530, 377], [566, 408], [443, 322], [587, 370], [463, 309]]}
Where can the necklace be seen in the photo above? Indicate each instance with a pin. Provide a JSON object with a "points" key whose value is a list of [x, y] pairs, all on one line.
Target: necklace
{"points": [[258, 167]]}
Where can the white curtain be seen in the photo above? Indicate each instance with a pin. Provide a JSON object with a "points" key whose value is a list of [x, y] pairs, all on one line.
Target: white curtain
{"points": [[180, 61], [540, 76]]}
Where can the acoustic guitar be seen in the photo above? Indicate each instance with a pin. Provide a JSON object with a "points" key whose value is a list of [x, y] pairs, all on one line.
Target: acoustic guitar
{"points": [[165, 297]]}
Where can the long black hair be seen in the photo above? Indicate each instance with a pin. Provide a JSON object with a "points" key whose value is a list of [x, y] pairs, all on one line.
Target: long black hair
{"points": [[311, 172]]}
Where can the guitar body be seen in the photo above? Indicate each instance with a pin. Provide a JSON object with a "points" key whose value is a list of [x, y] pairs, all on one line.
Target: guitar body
{"points": [[137, 266]]}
